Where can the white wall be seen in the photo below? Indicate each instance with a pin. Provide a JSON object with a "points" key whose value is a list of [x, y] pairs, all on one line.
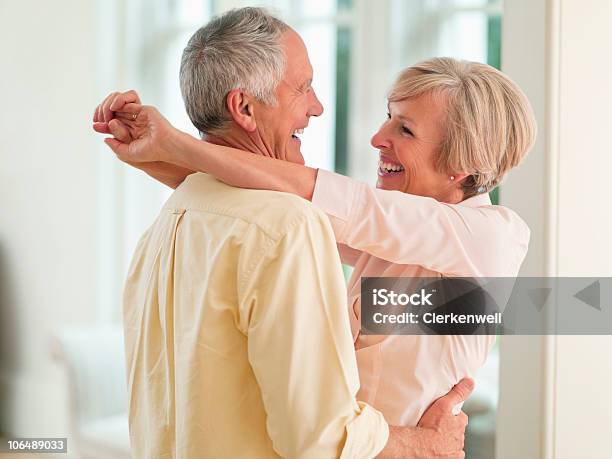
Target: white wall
{"points": [[48, 210], [583, 373], [522, 409], [554, 402]]}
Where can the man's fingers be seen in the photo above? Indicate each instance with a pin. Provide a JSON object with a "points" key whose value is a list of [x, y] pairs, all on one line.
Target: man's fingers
{"points": [[459, 393], [120, 131], [458, 455], [102, 128], [463, 418]]}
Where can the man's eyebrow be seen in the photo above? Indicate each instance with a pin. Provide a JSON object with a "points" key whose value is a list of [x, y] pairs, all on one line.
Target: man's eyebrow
{"points": [[306, 83]]}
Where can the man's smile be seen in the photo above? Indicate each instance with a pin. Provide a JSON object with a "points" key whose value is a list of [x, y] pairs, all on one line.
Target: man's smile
{"points": [[294, 135]]}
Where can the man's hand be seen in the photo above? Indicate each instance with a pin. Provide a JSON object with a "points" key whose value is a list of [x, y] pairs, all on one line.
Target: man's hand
{"points": [[439, 433], [141, 133]]}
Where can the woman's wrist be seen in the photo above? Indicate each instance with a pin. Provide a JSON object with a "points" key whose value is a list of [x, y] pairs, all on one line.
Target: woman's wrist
{"points": [[176, 148]]}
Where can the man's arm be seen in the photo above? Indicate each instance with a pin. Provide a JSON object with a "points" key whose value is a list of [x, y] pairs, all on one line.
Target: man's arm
{"points": [[439, 432]]}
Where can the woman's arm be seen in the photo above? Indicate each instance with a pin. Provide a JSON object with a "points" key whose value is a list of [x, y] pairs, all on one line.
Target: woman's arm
{"points": [[242, 169], [170, 175], [245, 170], [146, 140], [146, 136], [469, 239], [398, 227]]}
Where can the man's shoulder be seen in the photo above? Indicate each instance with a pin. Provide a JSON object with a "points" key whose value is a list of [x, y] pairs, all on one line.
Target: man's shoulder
{"points": [[273, 212]]}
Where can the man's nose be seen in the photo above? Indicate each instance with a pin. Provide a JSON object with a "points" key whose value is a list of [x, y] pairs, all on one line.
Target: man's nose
{"points": [[315, 108], [380, 139]]}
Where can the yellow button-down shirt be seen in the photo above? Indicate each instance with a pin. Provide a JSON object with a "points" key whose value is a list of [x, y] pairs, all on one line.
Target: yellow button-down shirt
{"points": [[237, 338]]}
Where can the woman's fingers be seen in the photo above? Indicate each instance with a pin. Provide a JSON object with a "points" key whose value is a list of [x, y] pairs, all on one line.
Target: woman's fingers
{"points": [[124, 98], [115, 101], [119, 148], [102, 128], [126, 116], [119, 131], [129, 112], [105, 112]]}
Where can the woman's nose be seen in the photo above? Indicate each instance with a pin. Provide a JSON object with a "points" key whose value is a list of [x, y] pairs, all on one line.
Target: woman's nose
{"points": [[379, 140]]}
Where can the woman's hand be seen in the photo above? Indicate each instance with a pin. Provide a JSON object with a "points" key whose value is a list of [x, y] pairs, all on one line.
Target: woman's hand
{"points": [[141, 133]]}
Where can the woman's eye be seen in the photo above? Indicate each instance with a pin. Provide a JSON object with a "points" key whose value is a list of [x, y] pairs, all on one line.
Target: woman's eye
{"points": [[388, 115], [405, 130]]}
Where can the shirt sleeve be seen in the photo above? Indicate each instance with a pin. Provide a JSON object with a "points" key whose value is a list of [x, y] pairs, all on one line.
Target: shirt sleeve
{"points": [[300, 349], [348, 255], [402, 228]]}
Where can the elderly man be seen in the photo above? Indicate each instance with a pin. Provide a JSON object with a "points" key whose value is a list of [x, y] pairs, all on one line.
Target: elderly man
{"points": [[237, 335]]}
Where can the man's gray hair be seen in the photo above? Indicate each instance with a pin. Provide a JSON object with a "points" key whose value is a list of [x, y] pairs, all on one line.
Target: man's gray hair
{"points": [[240, 49]]}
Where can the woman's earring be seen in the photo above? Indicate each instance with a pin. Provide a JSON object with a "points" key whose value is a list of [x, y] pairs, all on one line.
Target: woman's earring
{"points": [[452, 177]]}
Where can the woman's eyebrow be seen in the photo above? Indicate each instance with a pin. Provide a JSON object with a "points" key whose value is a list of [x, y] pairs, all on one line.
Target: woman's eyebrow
{"points": [[402, 117], [407, 118]]}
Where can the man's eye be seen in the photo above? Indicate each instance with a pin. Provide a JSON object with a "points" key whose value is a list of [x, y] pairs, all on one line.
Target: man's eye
{"points": [[405, 130], [388, 115]]}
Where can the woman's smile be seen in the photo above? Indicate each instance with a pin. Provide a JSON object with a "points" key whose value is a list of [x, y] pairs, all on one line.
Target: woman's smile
{"points": [[388, 166]]}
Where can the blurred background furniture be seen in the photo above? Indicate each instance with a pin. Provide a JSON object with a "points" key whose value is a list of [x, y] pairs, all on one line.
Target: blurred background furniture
{"points": [[95, 362]]}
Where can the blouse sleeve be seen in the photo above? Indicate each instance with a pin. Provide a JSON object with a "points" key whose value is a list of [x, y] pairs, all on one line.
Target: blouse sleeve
{"points": [[348, 255], [476, 239]]}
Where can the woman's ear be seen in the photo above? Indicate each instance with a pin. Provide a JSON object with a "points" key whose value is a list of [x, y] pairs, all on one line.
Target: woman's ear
{"points": [[458, 178], [241, 108]]}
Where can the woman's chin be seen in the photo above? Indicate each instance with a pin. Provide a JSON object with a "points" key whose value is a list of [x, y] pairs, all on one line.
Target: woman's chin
{"points": [[394, 182]]}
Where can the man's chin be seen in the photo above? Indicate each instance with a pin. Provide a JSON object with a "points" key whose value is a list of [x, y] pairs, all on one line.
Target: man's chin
{"points": [[296, 157]]}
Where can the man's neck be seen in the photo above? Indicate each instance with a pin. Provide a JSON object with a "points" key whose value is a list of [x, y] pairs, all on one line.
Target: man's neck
{"points": [[241, 142]]}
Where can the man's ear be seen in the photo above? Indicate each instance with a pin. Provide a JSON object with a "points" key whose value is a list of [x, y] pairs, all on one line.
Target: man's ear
{"points": [[240, 108]]}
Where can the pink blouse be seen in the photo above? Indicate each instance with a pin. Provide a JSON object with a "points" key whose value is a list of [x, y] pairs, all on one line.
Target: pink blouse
{"points": [[393, 234]]}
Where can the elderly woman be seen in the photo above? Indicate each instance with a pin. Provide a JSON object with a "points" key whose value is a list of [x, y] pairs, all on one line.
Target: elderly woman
{"points": [[453, 131]]}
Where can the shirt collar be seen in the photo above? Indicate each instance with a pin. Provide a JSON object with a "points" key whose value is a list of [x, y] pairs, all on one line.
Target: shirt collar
{"points": [[477, 201]]}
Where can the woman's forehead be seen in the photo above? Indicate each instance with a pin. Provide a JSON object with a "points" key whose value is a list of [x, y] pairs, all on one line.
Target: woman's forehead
{"points": [[420, 109]]}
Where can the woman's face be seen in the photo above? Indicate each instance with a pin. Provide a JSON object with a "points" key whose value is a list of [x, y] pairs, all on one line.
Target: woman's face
{"points": [[408, 142]]}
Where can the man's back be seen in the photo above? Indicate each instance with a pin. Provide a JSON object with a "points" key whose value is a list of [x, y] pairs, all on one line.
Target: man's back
{"points": [[237, 337]]}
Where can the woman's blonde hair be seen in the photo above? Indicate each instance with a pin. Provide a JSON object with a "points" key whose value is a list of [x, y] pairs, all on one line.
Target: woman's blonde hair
{"points": [[489, 125]]}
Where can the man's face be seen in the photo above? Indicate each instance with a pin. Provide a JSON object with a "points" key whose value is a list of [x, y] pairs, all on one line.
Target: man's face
{"points": [[278, 127]]}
